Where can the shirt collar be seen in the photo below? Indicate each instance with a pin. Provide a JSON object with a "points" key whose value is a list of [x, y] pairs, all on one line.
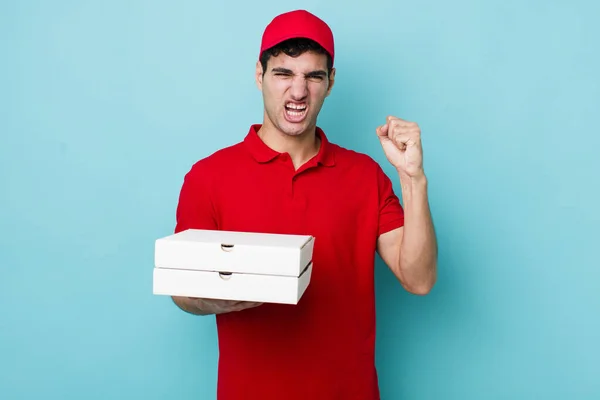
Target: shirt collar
{"points": [[263, 153]]}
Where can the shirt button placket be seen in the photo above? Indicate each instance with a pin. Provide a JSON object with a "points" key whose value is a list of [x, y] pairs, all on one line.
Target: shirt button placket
{"points": [[293, 194], [292, 187], [298, 201], [289, 190]]}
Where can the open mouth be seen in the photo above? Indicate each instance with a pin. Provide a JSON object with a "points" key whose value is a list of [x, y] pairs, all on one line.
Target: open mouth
{"points": [[295, 111]]}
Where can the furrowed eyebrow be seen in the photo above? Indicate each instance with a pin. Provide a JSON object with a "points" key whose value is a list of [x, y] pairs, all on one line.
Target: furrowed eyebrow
{"points": [[317, 73], [289, 72], [282, 70]]}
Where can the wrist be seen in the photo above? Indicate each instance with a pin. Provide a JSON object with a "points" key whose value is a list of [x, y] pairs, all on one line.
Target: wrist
{"points": [[411, 183]]}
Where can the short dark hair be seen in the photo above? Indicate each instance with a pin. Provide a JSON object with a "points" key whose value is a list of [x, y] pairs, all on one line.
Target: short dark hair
{"points": [[294, 48]]}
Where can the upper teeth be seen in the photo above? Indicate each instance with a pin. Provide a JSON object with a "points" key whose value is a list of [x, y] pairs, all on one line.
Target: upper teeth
{"points": [[296, 106]]}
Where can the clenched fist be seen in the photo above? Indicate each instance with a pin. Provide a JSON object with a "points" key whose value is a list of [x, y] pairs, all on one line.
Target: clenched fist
{"points": [[401, 142]]}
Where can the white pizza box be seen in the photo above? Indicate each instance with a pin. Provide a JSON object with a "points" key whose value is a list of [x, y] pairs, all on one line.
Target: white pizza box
{"points": [[235, 286], [244, 266], [241, 252]]}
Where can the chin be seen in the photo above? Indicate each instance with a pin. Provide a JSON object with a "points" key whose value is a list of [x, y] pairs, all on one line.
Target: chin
{"points": [[295, 128], [296, 131]]}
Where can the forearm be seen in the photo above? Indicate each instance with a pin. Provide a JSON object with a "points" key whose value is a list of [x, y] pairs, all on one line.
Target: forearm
{"points": [[418, 250], [192, 306], [198, 306]]}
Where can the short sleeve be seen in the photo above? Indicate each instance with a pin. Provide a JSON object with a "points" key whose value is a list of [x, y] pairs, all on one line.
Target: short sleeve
{"points": [[391, 213], [195, 208]]}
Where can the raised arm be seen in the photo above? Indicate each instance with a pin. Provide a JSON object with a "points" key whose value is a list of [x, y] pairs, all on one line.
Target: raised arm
{"points": [[409, 251]]}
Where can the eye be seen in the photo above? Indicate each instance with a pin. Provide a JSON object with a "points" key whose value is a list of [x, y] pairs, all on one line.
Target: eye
{"points": [[316, 78]]}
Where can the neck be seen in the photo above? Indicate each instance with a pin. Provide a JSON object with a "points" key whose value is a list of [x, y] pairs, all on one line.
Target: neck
{"points": [[300, 148]]}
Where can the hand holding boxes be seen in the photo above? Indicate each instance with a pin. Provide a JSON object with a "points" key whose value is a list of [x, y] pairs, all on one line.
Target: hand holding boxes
{"points": [[242, 266]]}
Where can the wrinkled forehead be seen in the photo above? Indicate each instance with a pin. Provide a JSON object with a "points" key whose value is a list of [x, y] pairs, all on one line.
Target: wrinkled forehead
{"points": [[307, 62]]}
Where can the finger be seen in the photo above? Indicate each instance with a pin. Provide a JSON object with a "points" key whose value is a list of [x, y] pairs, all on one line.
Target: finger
{"points": [[243, 305], [396, 124], [251, 303], [382, 130], [396, 120], [219, 304], [404, 130], [402, 140], [223, 303]]}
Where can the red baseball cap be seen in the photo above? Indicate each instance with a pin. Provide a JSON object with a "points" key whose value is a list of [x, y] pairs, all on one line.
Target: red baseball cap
{"points": [[297, 24]]}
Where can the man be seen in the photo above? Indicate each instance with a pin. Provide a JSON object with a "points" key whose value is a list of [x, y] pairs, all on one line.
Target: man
{"points": [[286, 177]]}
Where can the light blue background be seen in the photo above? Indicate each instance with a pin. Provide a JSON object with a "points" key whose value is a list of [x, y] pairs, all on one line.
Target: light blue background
{"points": [[105, 105]]}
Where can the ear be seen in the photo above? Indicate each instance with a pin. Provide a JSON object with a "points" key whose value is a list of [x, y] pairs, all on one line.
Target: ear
{"points": [[331, 81], [259, 75]]}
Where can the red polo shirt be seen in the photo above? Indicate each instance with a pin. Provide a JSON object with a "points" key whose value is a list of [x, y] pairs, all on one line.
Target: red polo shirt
{"points": [[324, 347]]}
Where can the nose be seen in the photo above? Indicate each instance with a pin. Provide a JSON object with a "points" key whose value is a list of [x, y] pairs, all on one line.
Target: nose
{"points": [[299, 89]]}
